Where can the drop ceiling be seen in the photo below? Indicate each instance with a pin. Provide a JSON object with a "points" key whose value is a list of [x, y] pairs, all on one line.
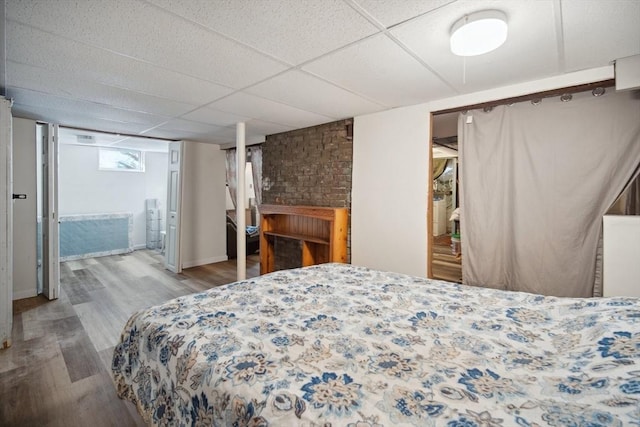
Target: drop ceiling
{"points": [[192, 69], [72, 136]]}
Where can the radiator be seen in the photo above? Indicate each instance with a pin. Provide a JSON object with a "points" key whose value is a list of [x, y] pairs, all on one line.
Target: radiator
{"points": [[93, 235]]}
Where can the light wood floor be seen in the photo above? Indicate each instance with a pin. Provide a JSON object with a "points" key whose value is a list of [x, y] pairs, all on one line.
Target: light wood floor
{"points": [[445, 265], [56, 373]]}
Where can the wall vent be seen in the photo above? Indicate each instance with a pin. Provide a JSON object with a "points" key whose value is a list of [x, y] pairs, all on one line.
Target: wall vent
{"points": [[86, 139]]}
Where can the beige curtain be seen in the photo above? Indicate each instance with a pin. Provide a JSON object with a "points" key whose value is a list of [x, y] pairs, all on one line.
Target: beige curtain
{"points": [[438, 167], [255, 156], [256, 166], [535, 183], [232, 180], [632, 197]]}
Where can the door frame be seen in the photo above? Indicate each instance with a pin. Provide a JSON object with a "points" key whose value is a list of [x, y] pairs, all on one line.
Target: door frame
{"points": [[430, 201], [50, 222], [6, 225], [172, 253]]}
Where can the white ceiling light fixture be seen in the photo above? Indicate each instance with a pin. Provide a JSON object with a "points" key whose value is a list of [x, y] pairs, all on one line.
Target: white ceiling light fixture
{"points": [[479, 33]]}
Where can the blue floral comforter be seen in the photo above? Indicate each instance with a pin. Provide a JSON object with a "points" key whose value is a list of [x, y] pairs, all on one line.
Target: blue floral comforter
{"points": [[338, 345]]}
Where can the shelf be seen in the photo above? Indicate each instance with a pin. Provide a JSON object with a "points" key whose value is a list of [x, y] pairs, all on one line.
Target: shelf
{"points": [[322, 231], [312, 239], [305, 211]]}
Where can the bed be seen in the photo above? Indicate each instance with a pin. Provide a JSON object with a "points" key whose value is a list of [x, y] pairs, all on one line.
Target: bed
{"points": [[339, 345]]}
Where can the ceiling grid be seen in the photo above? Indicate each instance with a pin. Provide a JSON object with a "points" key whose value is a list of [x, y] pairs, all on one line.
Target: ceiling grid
{"points": [[191, 69]]}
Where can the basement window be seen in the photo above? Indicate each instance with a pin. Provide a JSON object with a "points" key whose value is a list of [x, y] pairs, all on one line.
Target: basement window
{"points": [[120, 159]]}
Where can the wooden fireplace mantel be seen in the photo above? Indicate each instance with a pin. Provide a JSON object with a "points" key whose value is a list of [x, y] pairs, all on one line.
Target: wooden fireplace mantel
{"points": [[321, 230]]}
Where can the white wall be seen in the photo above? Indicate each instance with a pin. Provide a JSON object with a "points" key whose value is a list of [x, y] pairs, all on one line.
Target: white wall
{"points": [[83, 189], [155, 178], [390, 161], [389, 190], [203, 227], [621, 252], [24, 211]]}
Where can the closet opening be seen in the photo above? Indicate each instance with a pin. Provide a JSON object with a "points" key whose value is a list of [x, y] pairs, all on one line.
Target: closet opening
{"points": [[446, 243]]}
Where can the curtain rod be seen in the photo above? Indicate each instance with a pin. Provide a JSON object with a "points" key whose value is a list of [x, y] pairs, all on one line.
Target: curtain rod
{"points": [[529, 97]]}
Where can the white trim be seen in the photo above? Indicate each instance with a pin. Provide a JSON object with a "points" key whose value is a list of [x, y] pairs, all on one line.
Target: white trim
{"points": [[51, 258], [212, 260], [241, 198], [6, 224]]}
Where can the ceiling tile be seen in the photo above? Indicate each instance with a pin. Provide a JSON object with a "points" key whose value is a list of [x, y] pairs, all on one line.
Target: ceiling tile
{"points": [[255, 107], [382, 71], [70, 86], [391, 12], [188, 136], [309, 93], [133, 65], [259, 127], [227, 137], [33, 47], [80, 120], [292, 30], [187, 125], [67, 110], [201, 132], [100, 139], [214, 117], [254, 131], [156, 146], [151, 34], [530, 51], [596, 30]]}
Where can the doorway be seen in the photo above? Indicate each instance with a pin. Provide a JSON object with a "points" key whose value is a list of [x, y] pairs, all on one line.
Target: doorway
{"points": [[113, 192], [445, 250]]}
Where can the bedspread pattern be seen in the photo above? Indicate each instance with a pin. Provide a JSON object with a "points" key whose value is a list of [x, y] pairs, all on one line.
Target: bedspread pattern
{"points": [[338, 345]]}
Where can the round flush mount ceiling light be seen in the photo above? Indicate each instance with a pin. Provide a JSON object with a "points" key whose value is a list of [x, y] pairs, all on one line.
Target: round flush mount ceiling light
{"points": [[479, 33]]}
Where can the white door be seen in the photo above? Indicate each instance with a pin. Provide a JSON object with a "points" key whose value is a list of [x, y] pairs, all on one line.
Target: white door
{"points": [[6, 225], [50, 223], [174, 199]]}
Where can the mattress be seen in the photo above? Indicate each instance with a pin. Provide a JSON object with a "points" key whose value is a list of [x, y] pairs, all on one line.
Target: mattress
{"points": [[340, 345]]}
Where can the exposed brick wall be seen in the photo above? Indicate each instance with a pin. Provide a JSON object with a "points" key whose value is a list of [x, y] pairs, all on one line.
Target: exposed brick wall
{"points": [[307, 167]]}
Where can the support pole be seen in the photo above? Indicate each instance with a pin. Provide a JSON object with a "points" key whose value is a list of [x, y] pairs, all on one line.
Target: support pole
{"points": [[241, 198]]}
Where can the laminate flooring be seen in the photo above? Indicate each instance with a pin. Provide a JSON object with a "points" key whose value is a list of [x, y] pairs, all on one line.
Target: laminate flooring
{"points": [[445, 265], [56, 373]]}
